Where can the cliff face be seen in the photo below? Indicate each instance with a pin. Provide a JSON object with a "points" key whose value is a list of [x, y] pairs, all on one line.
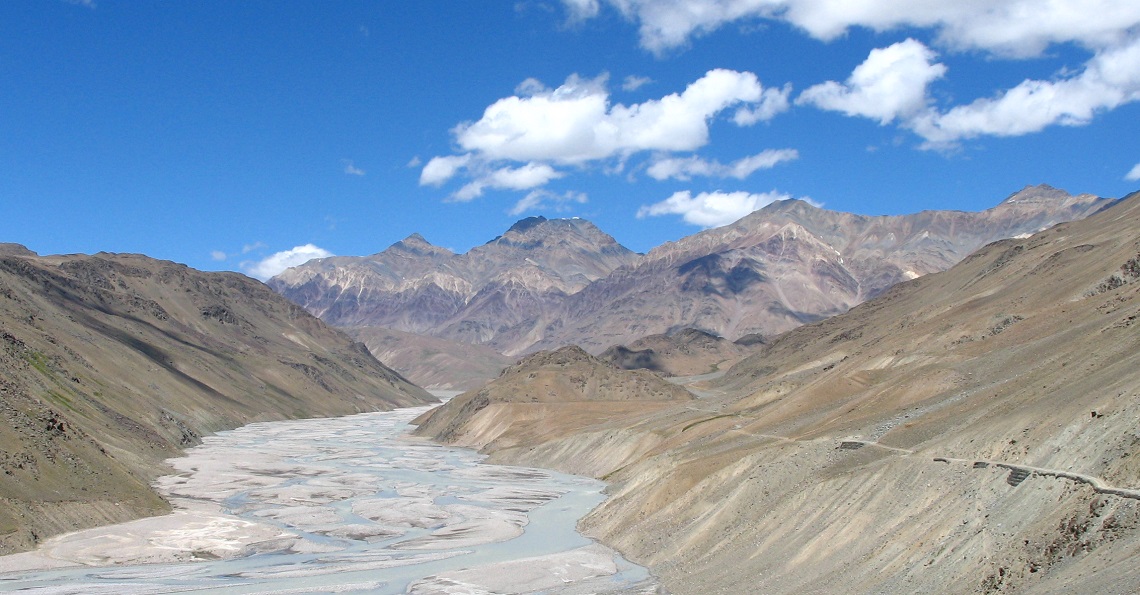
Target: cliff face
{"points": [[967, 431], [111, 363]]}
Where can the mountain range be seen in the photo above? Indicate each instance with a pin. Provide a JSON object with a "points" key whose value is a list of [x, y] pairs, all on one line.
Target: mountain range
{"points": [[547, 283], [968, 431]]}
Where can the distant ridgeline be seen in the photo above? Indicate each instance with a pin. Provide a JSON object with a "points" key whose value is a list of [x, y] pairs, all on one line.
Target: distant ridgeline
{"points": [[547, 283]]}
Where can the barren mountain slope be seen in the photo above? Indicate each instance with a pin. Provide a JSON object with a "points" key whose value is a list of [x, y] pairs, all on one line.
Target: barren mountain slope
{"points": [[969, 431], [432, 362], [111, 363], [493, 294], [545, 395], [787, 264], [688, 352], [548, 283]]}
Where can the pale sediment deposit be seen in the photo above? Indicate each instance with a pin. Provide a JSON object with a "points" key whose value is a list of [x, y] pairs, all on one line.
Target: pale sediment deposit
{"points": [[345, 505]]}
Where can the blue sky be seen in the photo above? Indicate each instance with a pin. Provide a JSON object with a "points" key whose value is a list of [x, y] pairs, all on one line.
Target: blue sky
{"points": [[250, 135]]}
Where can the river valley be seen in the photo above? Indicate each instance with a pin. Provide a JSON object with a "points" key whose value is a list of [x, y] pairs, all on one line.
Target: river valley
{"points": [[340, 505]]}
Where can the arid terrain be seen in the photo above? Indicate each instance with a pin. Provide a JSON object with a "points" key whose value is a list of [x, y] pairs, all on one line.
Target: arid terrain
{"points": [[688, 352], [110, 364], [974, 430]]}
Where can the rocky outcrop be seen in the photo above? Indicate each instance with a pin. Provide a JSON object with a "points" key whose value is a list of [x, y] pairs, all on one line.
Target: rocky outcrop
{"points": [[110, 364]]}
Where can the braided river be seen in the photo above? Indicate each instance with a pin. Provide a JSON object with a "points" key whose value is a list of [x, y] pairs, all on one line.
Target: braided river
{"points": [[340, 505]]}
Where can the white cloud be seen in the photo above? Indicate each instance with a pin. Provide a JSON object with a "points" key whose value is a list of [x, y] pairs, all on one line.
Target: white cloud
{"points": [[711, 209], [522, 178], [414, 162], [575, 122], [441, 169], [890, 84], [276, 263], [772, 103], [581, 9], [684, 168], [246, 249], [547, 201], [526, 177], [633, 83], [1109, 80], [1004, 27], [1134, 174], [217, 255], [351, 169]]}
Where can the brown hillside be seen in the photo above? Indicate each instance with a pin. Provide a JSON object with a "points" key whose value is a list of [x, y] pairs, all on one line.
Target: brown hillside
{"points": [[969, 431], [688, 352], [110, 364], [545, 395]]}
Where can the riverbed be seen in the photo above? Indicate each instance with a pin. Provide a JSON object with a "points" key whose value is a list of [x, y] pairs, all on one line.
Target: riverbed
{"points": [[340, 505]]}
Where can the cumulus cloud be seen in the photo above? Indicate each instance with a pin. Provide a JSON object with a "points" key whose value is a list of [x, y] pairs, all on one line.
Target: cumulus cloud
{"points": [[441, 169], [526, 177], [1008, 27], [545, 200], [772, 103], [711, 209], [1134, 174], [575, 123], [891, 83], [1109, 80], [891, 86], [685, 168], [276, 263], [633, 83]]}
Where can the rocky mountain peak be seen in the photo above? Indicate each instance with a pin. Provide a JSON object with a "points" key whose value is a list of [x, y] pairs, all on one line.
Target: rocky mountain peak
{"points": [[1040, 193], [539, 230], [522, 225], [418, 245]]}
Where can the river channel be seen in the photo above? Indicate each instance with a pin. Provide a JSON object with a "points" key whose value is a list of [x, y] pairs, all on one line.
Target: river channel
{"points": [[341, 505]]}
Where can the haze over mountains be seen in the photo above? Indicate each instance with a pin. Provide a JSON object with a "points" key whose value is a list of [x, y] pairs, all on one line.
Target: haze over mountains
{"points": [[548, 283], [973, 430]]}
